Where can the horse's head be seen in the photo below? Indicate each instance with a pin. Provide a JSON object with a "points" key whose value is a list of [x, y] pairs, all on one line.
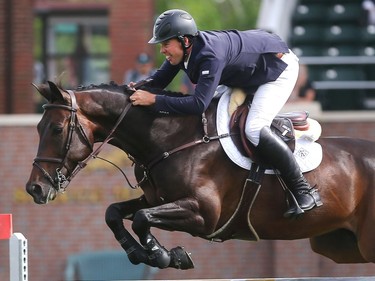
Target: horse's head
{"points": [[63, 144]]}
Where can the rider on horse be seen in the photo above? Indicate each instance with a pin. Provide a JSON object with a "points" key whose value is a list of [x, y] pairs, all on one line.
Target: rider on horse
{"points": [[253, 60]]}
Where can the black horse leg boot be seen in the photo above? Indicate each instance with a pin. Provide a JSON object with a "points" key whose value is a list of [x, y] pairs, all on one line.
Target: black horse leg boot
{"points": [[276, 153]]}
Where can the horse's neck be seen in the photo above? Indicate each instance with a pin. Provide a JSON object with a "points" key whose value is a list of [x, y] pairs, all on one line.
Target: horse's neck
{"points": [[140, 132], [101, 108], [148, 137]]}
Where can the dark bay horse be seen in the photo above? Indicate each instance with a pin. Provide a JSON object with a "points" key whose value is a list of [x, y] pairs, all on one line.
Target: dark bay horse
{"points": [[190, 184]]}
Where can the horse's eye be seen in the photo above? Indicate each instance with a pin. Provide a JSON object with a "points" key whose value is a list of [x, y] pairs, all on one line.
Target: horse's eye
{"points": [[57, 130]]}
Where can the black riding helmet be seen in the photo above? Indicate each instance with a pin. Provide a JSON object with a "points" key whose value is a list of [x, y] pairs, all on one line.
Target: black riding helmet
{"points": [[173, 24]]}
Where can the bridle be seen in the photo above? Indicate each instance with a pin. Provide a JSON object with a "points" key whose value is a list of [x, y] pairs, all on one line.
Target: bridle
{"points": [[60, 181]]}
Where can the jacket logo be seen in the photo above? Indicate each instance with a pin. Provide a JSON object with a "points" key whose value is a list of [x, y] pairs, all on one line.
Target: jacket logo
{"points": [[205, 72]]}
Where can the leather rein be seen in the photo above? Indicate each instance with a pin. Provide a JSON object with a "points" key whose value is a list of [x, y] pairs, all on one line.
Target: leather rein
{"points": [[60, 181]]}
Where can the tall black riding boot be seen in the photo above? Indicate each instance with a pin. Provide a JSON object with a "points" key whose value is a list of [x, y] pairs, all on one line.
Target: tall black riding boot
{"points": [[276, 153]]}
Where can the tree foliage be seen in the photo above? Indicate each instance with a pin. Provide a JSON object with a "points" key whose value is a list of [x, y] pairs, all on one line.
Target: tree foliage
{"points": [[216, 14]]}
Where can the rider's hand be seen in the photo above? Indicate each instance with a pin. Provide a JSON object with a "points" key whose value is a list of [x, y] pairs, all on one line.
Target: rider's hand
{"points": [[131, 84], [141, 97]]}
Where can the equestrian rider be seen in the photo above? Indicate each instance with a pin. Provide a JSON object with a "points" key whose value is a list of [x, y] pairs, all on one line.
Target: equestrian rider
{"points": [[253, 60]]}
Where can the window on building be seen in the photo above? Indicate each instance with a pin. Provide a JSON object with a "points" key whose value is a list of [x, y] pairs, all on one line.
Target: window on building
{"points": [[77, 50]]}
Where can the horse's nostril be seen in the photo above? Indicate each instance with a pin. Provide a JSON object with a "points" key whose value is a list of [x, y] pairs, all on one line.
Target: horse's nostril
{"points": [[36, 189]]}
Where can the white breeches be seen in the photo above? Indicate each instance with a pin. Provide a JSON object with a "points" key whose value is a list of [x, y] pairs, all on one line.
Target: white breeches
{"points": [[270, 98]]}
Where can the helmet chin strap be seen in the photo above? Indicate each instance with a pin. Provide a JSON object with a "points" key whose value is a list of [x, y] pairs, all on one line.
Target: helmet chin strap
{"points": [[184, 46]]}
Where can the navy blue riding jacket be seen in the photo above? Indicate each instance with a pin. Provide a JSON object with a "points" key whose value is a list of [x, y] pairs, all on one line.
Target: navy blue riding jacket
{"points": [[238, 59]]}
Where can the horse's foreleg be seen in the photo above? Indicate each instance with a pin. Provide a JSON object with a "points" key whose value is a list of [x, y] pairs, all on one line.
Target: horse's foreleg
{"points": [[114, 216], [181, 215]]}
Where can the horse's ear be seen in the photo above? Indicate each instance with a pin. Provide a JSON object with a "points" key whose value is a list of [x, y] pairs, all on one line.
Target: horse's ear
{"points": [[56, 93], [50, 92], [44, 90]]}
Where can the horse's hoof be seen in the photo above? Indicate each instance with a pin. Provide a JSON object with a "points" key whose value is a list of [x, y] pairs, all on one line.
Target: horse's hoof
{"points": [[180, 259], [136, 255], [133, 259]]}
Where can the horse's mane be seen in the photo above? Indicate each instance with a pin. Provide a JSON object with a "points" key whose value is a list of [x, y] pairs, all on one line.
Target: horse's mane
{"points": [[112, 86]]}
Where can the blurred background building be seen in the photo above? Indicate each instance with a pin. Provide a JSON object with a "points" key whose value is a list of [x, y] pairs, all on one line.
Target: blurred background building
{"points": [[75, 42]]}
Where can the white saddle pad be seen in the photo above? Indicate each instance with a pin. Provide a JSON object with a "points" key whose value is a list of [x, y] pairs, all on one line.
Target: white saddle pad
{"points": [[307, 153]]}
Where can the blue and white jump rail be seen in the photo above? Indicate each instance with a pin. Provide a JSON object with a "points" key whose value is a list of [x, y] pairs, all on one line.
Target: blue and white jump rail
{"points": [[17, 249]]}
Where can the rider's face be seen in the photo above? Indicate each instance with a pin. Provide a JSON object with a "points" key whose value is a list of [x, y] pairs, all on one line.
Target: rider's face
{"points": [[172, 50]]}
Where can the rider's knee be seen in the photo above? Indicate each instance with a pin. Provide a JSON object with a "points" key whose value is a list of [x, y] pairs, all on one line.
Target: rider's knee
{"points": [[252, 133]]}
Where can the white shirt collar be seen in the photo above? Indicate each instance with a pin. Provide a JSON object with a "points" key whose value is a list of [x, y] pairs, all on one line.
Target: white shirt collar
{"points": [[187, 61]]}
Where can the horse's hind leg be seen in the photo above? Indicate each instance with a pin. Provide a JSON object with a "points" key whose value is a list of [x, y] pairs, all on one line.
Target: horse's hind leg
{"points": [[114, 216], [340, 246], [366, 237]]}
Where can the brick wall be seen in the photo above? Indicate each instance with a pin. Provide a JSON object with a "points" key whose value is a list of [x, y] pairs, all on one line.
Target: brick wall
{"points": [[75, 221], [2, 56], [16, 56]]}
